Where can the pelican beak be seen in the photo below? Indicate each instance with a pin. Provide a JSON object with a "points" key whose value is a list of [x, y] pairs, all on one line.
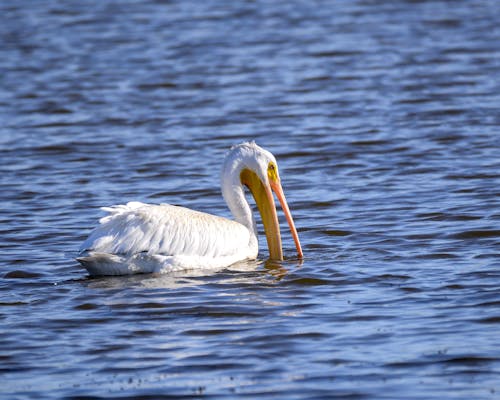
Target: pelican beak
{"points": [[276, 187], [264, 199]]}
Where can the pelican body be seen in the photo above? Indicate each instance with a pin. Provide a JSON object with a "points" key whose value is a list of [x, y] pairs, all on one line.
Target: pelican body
{"points": [[144, 238]]}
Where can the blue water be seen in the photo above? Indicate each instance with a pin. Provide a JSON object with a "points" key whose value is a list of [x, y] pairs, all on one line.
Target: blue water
{"points": [[384, 119]]}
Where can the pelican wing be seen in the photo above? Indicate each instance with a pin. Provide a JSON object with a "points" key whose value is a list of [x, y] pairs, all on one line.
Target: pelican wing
{"points": [[167, 230]]}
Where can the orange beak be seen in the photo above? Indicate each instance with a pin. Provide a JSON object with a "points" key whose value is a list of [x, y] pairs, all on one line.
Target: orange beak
{"points": [[276, 187], [264, 199]]}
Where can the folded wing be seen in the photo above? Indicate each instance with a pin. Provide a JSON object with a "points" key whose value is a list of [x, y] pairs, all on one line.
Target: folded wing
{"points": [[167, 230]]}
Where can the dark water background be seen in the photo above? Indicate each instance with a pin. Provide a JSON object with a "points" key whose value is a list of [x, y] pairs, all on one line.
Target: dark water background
{"points": [[384, 117]]}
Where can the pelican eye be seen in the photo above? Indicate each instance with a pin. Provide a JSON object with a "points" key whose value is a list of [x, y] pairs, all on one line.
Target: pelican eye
{"points": [[272, 171]]}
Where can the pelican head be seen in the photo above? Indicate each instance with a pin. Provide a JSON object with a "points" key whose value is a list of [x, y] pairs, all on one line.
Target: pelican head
{"points": [[248, 165]]}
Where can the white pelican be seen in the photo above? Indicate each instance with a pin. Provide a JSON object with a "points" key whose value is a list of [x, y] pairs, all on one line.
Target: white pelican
{"points": [[142, 238]]}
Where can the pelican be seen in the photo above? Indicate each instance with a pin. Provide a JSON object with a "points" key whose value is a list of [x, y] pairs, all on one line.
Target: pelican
{"points": [[144, 238]]}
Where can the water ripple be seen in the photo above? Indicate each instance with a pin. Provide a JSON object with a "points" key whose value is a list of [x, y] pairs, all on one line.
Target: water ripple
{"points": [[383, 117]]}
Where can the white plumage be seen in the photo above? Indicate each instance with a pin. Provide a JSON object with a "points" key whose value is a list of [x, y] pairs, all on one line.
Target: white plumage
{"points": [[141, 238]]}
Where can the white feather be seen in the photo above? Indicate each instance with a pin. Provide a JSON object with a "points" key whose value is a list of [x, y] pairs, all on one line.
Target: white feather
{"points": [[141, 238], [135, 232]]}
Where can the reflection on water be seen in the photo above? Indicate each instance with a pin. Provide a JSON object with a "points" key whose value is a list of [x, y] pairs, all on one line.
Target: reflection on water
{"points": [[384, 120], [244, 272]]}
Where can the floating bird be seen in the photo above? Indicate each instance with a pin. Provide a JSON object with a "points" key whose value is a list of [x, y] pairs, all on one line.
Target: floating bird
{"points": [[143, 238]]}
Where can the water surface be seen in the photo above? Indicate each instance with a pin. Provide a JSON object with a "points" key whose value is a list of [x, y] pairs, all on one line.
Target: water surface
{"points": [[384, 120]]}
